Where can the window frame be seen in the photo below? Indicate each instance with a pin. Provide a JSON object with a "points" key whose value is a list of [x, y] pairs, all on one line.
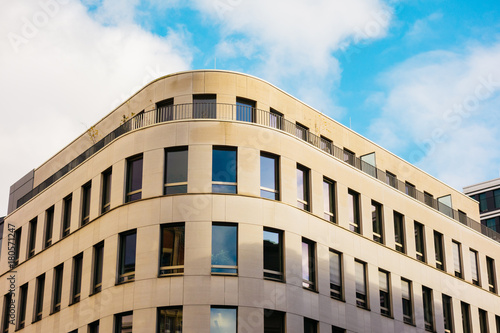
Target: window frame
{"points": [[362, 299], [391, 179], [66, 215], [457, 259], [420, 251], [217, 269], [21, 308], [336, 289], [310, 259], [220, 186], [49, 227], [246, 109], [94, 326], [326, 144], [447, 313], [106, 179], [118, 321], [178, 187], [466, 319], [483, 321], [439, 251], [17, 246], [7, 301], [329, 200], [38, 301], [175, 322], [122, 276], [270, 274], [134, 194], [276, 190], [385, 294], [399, 224], [428, 308], [57, 288], [313, 324], [410, 190], [304, 196], [97, 267], [32, 237], [276, 119], [301, 131], [474, 262], [85, 203], [349, 156], [279, 316], [378, 220], [76, 279], [354, 206], [178, 268], [490, 267], [407, 318]]}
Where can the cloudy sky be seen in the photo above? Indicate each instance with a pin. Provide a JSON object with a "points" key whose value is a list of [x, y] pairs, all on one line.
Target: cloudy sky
{"points": [[420, 78]]}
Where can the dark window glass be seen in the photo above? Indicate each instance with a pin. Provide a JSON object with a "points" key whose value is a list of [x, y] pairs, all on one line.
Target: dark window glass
{"points": [[98, 266], [86, 189], [490, 266], [308, 264], [457, 259], [21, 310], [276, 119], [354, 211], [165, 110], [377, 222], [483, 204], [66, 223], [94, 327], [274, 321], [399, 232], [2, 225], [172, 249], [77, 278], [465, 317], [176, 170], [310, 326], [462, 217], [474, 267], [32, 238], [391, 179], [361, 285], [224, 168], [410, 189], [223, 319], [204, 106], [269, 176], [497, 320], [49, 223], [303, 189], [326, 144], [420, 241], [429, 199], [170, 320], [329, 200], [17, 237], [406, 295], [273, 254], [123, 322], [224, 249], [301, 131], [127, 256], [7, 301], [245, 109], [336, 289], [106, 191], [57, 291], [349, 157], [438, 249], [496, 195], [134, 179], [40, 286], [385, 293], [447, 314], [336, 329], [428, 309], [483, 321]]}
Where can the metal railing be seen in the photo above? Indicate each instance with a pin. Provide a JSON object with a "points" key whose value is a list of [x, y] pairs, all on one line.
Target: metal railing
{"points": [[235, 112]]}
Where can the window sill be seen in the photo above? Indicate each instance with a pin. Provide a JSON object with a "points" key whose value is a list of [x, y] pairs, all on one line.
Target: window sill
{"points": [[311, 290]]}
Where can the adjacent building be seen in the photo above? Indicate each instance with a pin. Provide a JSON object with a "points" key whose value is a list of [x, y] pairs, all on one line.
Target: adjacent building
{"points": [[488, 195]]}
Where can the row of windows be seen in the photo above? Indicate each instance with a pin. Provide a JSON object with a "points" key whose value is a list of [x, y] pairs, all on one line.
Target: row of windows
{"points": [[488, 201]]}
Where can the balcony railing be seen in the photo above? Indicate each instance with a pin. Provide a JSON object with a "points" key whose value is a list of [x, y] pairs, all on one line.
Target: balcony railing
{"points": [[235, 112]]}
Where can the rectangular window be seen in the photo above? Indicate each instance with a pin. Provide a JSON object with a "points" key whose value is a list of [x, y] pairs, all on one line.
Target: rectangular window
{"points": [[176, 170], [457, 259], [205, 106], [245, 109], [17, 245], [21, 310], [170, 320], [377, 222], [223, 319], [134, 178], [303, 189], [326, 144], [429, 199], [428, 309], [7, 301], [361, 285], [465, 308], [336, 329], [310, 326], [224, 169], [165, 110], [49, 223], [224, 249], [349, 157], [483, 204], [492, 284], [483, 321], [420, 241], [462, 217], [497, 320], [94, 327], [123, 322], [269, 176], [273, 254], [301, 131], [86, 189], [439, 250], [407, 299], [308, 264], [40, 286], [474, 267], [66, 221], [106, 191], [385, 293], [391, 179], [354, 211], [276, 119], [447, 314], [274, 321], [329, 200], [126, 271], [97, 267], [336, 289], [399, 232], [410, 190], [57, 291], [172, 249], [77, 278], [32, 238]]}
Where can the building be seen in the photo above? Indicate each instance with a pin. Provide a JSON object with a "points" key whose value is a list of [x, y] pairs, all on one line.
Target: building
{"points": [[212, 201], [488, 196]]}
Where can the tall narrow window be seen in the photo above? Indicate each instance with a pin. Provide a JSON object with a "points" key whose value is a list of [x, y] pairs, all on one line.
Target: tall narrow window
{"points": [[465, 308], [57, 291], [21, 312], [439, 251], [134, 178], [176, 170], [301, 131], [276, 119], [269, 176], [336, 289], [391, 179], [361, 286], [483, 321], [85, 216], [349, 157], [32, 238], [76, 287], [428, 309], [169, 319], [377, 222], [17, 245], [420, 241], [385, 293], [204, 106], [49, 223], [7, 301], [66, 221], [407, 301], [303, 190], [123, 322], [274, 321], [462, 217], [310, 326], [329, 200], [94, 327], [223, 319], [165, 110], [40, 286], [429, 199], [447, 314], [273, 254], [497, 321], [410, 190], [474, 267], [308, 264], [126, 271], [224, 248], [224, 166], [172, 249], [457, 259], [106, 191], [326, 144], [245, 109], [354, 211], [492, 284], [97, 267], [399, 232]]}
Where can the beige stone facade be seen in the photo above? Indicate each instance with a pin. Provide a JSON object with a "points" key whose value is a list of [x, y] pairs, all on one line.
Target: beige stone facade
{"points": [[198, 289]]}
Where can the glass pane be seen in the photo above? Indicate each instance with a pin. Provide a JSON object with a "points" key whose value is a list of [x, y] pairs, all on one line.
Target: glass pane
{"points": [[245, 110], [360, 278], [473, 263], [176, 189], [128, 248], [274, 321], [176, 166], [134, 175], [222, 320], [306, 273], [219, 188], [172, 249], [300, 185], [204, 106], [272, 251], [170, 320], [224, 248], [335, 277], [224, 165], [268, 172], [383, 281], [126, 324]]}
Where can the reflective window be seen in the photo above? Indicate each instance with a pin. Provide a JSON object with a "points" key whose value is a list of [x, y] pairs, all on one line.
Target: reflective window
{"points": [[32, 237], [301, 131], [439, 251], [420, 241], [329, 200], [399, 232], [170, 320], [336, 289], [491, 223], [273, 254], [497, 320], [391, 179], [123, 322], [97, 269], [245, 109], [354, 211], [310, 326], [429, 199], [40, 286], [77, 278], [377, 222], [474, 267], [308, 264], [223, 320], [172, 249], [165, 110], [176, 170], [134, 179], [466, 324], [447, 314], [106, 191], [457, 259], [126, 270], [490, 266], [276, 119], [21, 310], [49, 223], [224, 249], [410, 190], [361, 292], [269, 176], [303, 189], [428, 309], [57, 291], [94, 327], [224, 168], [483, 204], [274, 321], [326, 145], [86, 189], [406, 294], [385, 293], [66, 223], [349, 156], [204, 106], [368, 164]]}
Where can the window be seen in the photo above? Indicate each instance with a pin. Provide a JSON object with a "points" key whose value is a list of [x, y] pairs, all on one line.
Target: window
{"points": [[172, 249], [497, 320], [2, 225], [428, 309], [7, 302], [106, 191], [410, 189], [391, 179], [66, 222], [245, 109], [385, 293], [308, 264], [420, 241], [349, 157], [354, 216], [462, 217], [447, 314], [301, 131], [123, 322], [474, 267], [490, 223], [496, 195], [204, 106], [49, 223], [170, 320], [465, 317], [224, 168], [483, 204], [303, 189], [361, 292], [399, 232], [17, 237], [444, 205], [269, 176], [273, 254], [490, 266], [40, 286], [32, 238], [21, 312], [57, 291], [165, 110], [326, 144], [457, 259], [406, 293], [310, 326], [224, 248], [368, 164], [329, 200], [77, 278], [439, 251], [276, 119], [274, 321], [97, 269], [336, 289], [223, 319], [94, 327], [336, 329], [483, 321], [429, 199], [377, 222], [176, 170], [126, 271], [134, 179], [86, 203]]}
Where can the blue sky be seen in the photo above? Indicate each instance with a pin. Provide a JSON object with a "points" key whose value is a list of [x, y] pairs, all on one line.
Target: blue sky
{"points": [[420, 78]]}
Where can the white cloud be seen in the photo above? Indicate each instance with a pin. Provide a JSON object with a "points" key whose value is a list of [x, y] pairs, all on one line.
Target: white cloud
{"points": [[61, 70], [422, 28]]}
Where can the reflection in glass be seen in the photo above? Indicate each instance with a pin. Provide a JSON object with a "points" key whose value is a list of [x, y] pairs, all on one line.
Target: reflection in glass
{"points": [[335, 275], [269, 177], [134, 179], [303, 187], [124, 323], [224, 249], [329, 200], [170, 320], [204, 106], [399, 235], [222, 320], [224, 170], [176, 166], [354, 219], [245, 110], [127, 256], [172, 249], [106, 191], [360, 270], [273, 254], [274, 321], [308, 264], [378, 233]]}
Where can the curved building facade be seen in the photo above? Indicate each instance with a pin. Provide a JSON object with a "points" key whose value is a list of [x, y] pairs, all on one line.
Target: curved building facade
{"points": [[212, 201]]}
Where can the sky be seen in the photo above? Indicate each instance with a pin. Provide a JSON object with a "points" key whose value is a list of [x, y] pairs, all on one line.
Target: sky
{"points": [[419, 78]]}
